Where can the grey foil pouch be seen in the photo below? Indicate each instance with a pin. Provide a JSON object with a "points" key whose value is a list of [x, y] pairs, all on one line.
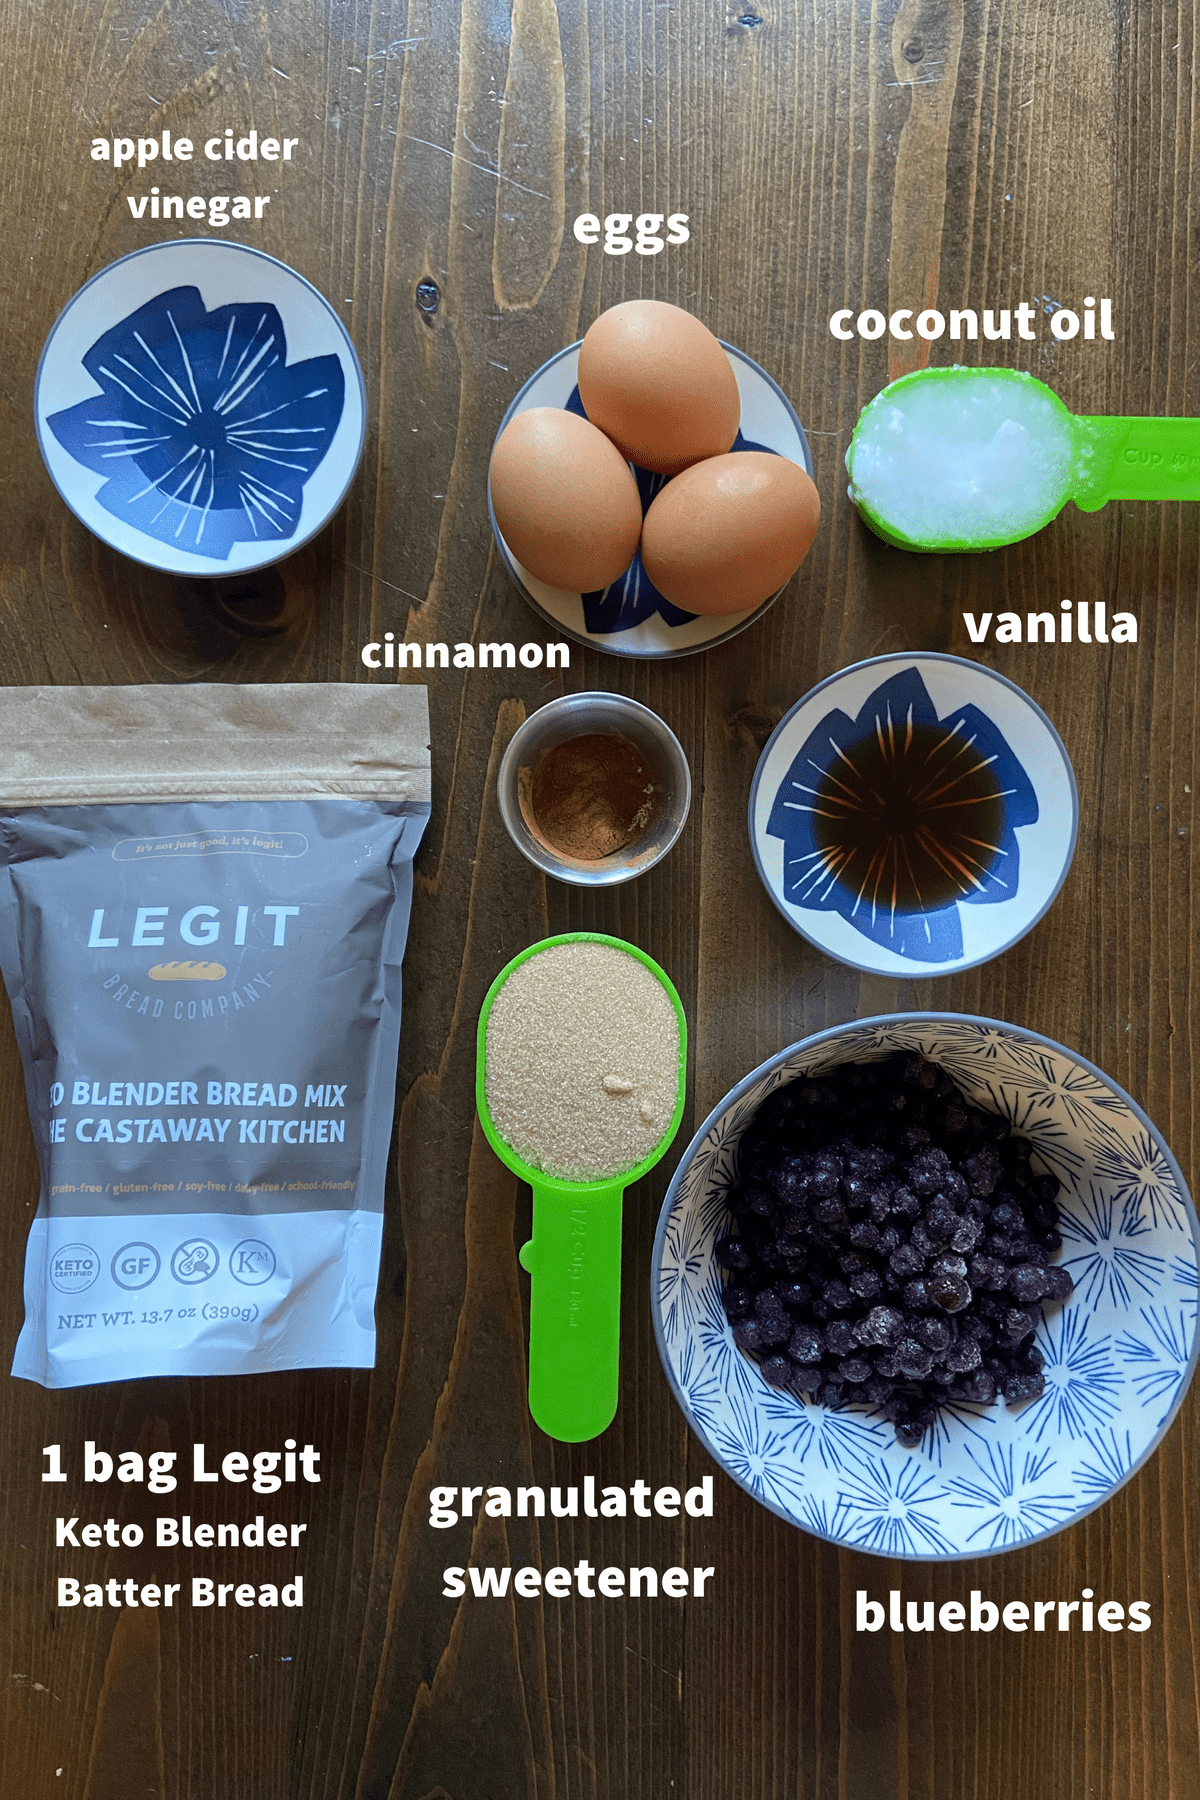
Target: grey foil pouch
{"points": [[204, 900]]}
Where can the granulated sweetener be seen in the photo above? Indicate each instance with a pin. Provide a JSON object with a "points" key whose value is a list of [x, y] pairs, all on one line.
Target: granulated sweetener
{"points": [[204, 899], [582, 1061]]}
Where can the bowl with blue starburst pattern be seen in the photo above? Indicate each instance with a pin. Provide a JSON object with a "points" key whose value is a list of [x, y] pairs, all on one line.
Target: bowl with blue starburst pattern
{"points": [[1118, 1355], [630, 617], [914, 815], [200, 407]]}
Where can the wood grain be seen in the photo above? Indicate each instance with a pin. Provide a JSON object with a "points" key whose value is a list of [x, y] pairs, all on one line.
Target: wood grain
{"points": [[860, 153]]}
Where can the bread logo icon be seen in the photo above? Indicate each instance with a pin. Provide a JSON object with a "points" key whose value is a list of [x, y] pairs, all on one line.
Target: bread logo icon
{"points": [[187, 971]]}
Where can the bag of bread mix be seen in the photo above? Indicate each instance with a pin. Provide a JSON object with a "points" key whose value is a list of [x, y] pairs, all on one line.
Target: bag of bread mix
{"points": [[204, 899]]}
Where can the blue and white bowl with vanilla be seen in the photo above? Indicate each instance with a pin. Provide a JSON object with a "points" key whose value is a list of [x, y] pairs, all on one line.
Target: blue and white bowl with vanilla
{"points": [[914, 815]]}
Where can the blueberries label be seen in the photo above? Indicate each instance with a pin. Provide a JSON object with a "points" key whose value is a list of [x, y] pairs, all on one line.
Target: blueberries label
{"points": [[978, 1614]]}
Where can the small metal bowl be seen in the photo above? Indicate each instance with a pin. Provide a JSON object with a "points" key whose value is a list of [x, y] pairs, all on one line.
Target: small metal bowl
{"points": [[577, 715]]}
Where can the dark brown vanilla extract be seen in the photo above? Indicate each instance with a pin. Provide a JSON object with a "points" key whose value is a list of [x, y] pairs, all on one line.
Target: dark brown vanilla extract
{"points": [[908, 819]]}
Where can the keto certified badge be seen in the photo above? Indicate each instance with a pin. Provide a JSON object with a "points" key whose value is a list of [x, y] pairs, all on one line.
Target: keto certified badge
{"points": [[74, 1268]]}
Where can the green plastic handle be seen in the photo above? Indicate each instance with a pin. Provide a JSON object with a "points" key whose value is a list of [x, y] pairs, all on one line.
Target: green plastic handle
{"points": [[574, 1255], [1136, 459], [574, 1261]]}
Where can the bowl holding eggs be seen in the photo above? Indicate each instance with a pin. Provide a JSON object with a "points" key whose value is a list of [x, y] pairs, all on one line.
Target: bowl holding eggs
{"points": [[651, 488]]}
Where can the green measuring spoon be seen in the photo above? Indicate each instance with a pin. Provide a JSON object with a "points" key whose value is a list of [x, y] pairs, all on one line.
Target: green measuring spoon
{"points": [[574, 1255], [972, 459]]}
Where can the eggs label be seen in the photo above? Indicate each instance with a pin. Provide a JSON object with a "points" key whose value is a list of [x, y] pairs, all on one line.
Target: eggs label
{"points": [[646, 227], [964, 323]]}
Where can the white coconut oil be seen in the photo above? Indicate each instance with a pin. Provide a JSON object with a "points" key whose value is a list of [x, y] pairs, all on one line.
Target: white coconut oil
{"points": [[971, 459]]}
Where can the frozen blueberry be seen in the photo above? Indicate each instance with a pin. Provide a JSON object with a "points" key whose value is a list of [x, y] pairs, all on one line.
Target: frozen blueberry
{"points": [[980, 1388], [965, 1235], [913, 1359], [923, 1241], [867, 1284], [906, 1260], [855, 1193], [986, 1272], [1027, 1282], [983, 1170], [942, 1220], [776, 1369], [855, 1368], [790, 1178], [807, 1379], [1019, 1388], [794, 1293], [736, 1300], [837, 1296], [839, 1337], [905, 1204], [805, 1345], [918, 1296], [882, 1325], [950, 1293], [733, 1253], [937, 1334], [754, 1198], [1060, 1284], [965, 1355], [750, 1334], [864, 1235], [927, 1171], [1017, 1323]]}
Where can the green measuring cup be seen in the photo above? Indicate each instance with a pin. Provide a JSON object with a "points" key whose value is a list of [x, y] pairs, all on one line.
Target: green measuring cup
{"points": [[1088, 460], [574, 1255]]}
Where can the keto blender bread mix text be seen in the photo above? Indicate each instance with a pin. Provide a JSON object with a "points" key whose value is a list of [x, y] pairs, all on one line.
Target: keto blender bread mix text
{"points": [[204, 899]]}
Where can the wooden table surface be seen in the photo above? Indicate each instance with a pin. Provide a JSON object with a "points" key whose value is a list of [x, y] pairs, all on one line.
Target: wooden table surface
{"points": [[851, 153]]}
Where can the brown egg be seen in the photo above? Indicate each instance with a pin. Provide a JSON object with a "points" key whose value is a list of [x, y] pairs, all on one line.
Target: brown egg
{"points": [[658, 383], [727, 534], [565, 500]]}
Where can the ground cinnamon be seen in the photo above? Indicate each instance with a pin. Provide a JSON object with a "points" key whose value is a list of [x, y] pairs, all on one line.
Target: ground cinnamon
{"points": [[589, 796]]}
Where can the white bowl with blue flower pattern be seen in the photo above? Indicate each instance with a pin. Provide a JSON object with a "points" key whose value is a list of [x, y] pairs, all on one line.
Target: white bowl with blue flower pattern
{"points": [[925, 763], [630, 617], [1118, 1355], [200, 407]]}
